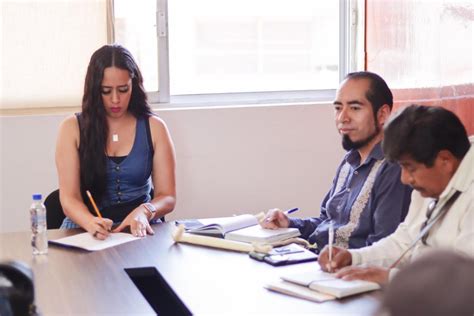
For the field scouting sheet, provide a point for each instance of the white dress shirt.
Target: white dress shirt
(454, 231)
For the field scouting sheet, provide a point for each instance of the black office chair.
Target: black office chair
(17, 291)
(54, 210)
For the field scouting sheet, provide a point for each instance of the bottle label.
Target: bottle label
(39, 237)
(38, 216)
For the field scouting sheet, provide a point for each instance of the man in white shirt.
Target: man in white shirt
(437, 160)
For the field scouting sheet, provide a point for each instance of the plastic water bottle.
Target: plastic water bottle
(39, 237)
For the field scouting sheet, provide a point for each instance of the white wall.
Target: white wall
(229, 160)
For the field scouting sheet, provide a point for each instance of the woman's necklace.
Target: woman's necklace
(119, 126)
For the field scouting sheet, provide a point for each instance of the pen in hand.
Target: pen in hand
(289, 211)
(89, 195)
(93, 204)
(330, 241)
(292, 210)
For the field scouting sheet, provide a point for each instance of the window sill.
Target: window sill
(203, 101)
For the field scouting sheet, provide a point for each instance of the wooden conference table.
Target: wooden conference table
(153, 275)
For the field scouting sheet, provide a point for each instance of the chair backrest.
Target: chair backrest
(17, 291)
(54, 210)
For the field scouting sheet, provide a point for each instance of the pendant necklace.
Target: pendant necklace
(115, 138)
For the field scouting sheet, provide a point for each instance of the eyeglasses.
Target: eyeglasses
(429, 213)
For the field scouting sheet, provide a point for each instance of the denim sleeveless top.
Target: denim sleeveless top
(131, 178)
(127, 181)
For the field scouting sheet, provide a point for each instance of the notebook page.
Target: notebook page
(88, 242)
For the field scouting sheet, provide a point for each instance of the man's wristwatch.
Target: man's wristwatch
(150, 208)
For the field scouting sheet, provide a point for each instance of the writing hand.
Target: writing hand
(99, 227)
(274, 219)
(340, 258)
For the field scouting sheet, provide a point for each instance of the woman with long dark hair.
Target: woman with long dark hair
(117, 149)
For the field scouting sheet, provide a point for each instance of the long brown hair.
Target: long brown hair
(93, 124)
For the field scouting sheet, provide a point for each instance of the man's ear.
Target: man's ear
(383, 114)
(447, 161)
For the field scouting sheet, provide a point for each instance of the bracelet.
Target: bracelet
(150, 208)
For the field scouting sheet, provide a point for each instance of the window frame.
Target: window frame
(350, 25)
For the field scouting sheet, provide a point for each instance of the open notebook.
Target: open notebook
(243, 228)
(320, 282)
(87, 242)
(299, 291)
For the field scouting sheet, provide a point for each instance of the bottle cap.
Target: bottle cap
(37, 196)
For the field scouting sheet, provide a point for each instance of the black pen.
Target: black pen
(292, 210)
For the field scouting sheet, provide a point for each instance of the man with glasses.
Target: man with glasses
(432, 147)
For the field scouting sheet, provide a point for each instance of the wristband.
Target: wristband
(150, 208)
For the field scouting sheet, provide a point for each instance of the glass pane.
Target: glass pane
(48, 30)
(253, 45)
(135, 29)
(425, 51)
(419, 43)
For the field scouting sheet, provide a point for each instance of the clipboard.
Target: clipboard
(285, 255)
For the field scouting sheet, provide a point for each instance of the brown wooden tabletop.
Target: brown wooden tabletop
(206, 281)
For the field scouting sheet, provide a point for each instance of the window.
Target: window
(45, 50)
(236, 50)
(135, 28)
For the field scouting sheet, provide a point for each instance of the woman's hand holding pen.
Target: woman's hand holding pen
(99, 227)
(340, 258)
(138, 222)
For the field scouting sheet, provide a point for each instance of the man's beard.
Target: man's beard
(348, 144)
